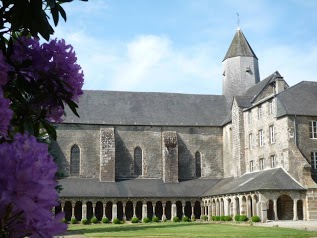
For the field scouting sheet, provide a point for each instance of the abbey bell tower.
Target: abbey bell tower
(240, 67)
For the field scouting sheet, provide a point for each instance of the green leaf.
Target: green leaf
(54, 12)
(49, 128)
(62, 12)
(72, 105)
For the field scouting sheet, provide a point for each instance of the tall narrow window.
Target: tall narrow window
(259, 112)
(271, 107)
(313, 129)
(273, 161)
(314, 160)
(272, 134)
(138, 157)
(198, 164)
(251, 165)
(74, 160)
(250, 141)
(261, 138)
(261, 163)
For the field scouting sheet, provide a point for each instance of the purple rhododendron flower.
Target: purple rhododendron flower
(27, 183)
(55, 64)
(5, 115)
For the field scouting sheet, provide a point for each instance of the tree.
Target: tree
(36, 82)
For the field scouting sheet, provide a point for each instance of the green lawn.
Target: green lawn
(182, 229)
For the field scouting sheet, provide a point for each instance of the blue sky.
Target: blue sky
(178, 45)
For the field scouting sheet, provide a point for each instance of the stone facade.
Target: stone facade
(258, 135)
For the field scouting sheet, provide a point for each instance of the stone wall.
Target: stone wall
(87, 138)
(229, 166)
(280, 148)
(96, 154)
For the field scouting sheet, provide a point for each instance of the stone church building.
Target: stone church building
(251, 150)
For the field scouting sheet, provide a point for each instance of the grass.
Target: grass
(182, 229)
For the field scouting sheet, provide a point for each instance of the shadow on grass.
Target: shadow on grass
(101, 228)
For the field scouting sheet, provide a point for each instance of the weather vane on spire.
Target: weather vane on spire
(238, 21)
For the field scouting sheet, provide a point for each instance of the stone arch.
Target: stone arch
(109, 210)
(149, 210)
(188, 209)
(129, 210)
(78, 210)
(168, 210)
(270, 210)
(99, 210)
(120, 210)
(197, 210)
(229, 207)
(138, 161)
(74, 165)
(90, 213)
(237, 208)
(243, 209)
(68, 210)
(213, 207)
(138, 210)
(221, 207)
(159, 209)
(179, 209)
(300, 214)
(198, 164)
(285, 207)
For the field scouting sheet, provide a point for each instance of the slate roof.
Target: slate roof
(256, 89)
(239, 47)
(299, 99)
(84, 187)
(272, 179)
(149, 108)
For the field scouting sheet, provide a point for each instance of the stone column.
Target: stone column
(62, 206)
(295, 218)
(93, 209)
(164, 214)
(226, 206)
(73, 210)
(254, 210)
(153, 207)
(202, 210)
(242, 206)
(134, 207)
(248, 207)
(217, 208)
(144, 211)
(206, 210)
(53, 211)
(174, 210)
(183, 209)
(114, 211)
(213, 209)
(104, 205)
(84, 211)
(234, 206)
(209, 212)
(275, 209)
(193, 212)
(124, 211)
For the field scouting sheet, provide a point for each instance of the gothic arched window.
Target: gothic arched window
(198, 164)
(138, 161)
(74, 160)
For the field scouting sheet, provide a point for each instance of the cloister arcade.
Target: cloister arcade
(126, 209)
(268, 206)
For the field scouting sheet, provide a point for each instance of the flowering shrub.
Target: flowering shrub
(36, 82)
(27, 183)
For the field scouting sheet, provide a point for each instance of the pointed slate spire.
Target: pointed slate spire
(239, 47)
